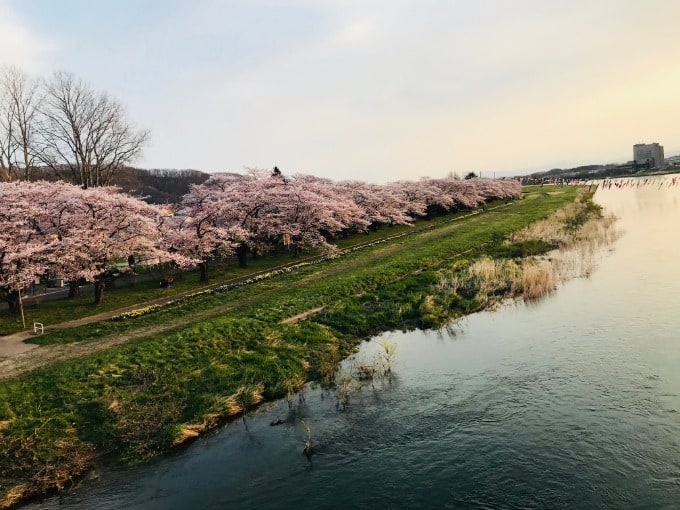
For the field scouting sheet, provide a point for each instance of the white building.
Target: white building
(648, 153)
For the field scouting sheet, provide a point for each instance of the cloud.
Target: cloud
(354, 33)
(19, 45)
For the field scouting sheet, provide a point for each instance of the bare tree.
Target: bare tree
(20, 110)
(7, 130)
(86, 131)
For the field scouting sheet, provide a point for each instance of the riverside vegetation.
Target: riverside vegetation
(193, 364)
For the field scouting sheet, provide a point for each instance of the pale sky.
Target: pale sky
(377, 90)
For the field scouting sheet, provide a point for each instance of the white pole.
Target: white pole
(21, 305)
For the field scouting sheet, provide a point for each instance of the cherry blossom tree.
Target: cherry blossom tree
(421, 197)
(380, 204)
(309, 210)
(463, 194)
(98, 225)
(75, 233)
(255, 208)
(203, 227)
(338, 202)
(495, 189)
(266, 209)
(21, 243)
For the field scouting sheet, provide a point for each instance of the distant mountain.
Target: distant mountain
(596, 171)
(156, 186)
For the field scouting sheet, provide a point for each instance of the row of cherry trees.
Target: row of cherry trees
(77, 233)
(261, 210)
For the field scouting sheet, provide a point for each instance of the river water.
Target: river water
(572, 402)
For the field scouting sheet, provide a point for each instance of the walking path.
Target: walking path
(14, 344)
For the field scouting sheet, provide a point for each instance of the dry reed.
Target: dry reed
(245, 397)
(14, 495)
(535, 280)
(578, 245)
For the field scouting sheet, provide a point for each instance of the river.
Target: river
(571, 402)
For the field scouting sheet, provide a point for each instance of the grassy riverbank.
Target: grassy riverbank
(200, 361)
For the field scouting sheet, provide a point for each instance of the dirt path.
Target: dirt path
(302, 316)
(18, 357)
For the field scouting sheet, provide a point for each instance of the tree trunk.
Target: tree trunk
(73, 289)
(203, 267)
(99, 286)
(13, 302)
(241, 252)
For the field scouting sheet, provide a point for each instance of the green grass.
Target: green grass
(125, 292)
(132, 401)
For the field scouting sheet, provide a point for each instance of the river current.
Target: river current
(571, 402)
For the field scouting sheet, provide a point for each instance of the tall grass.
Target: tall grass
(578, 232)
(535, 280)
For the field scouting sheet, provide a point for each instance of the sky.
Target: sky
(376, 90)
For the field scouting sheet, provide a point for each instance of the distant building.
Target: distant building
(648, 154)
